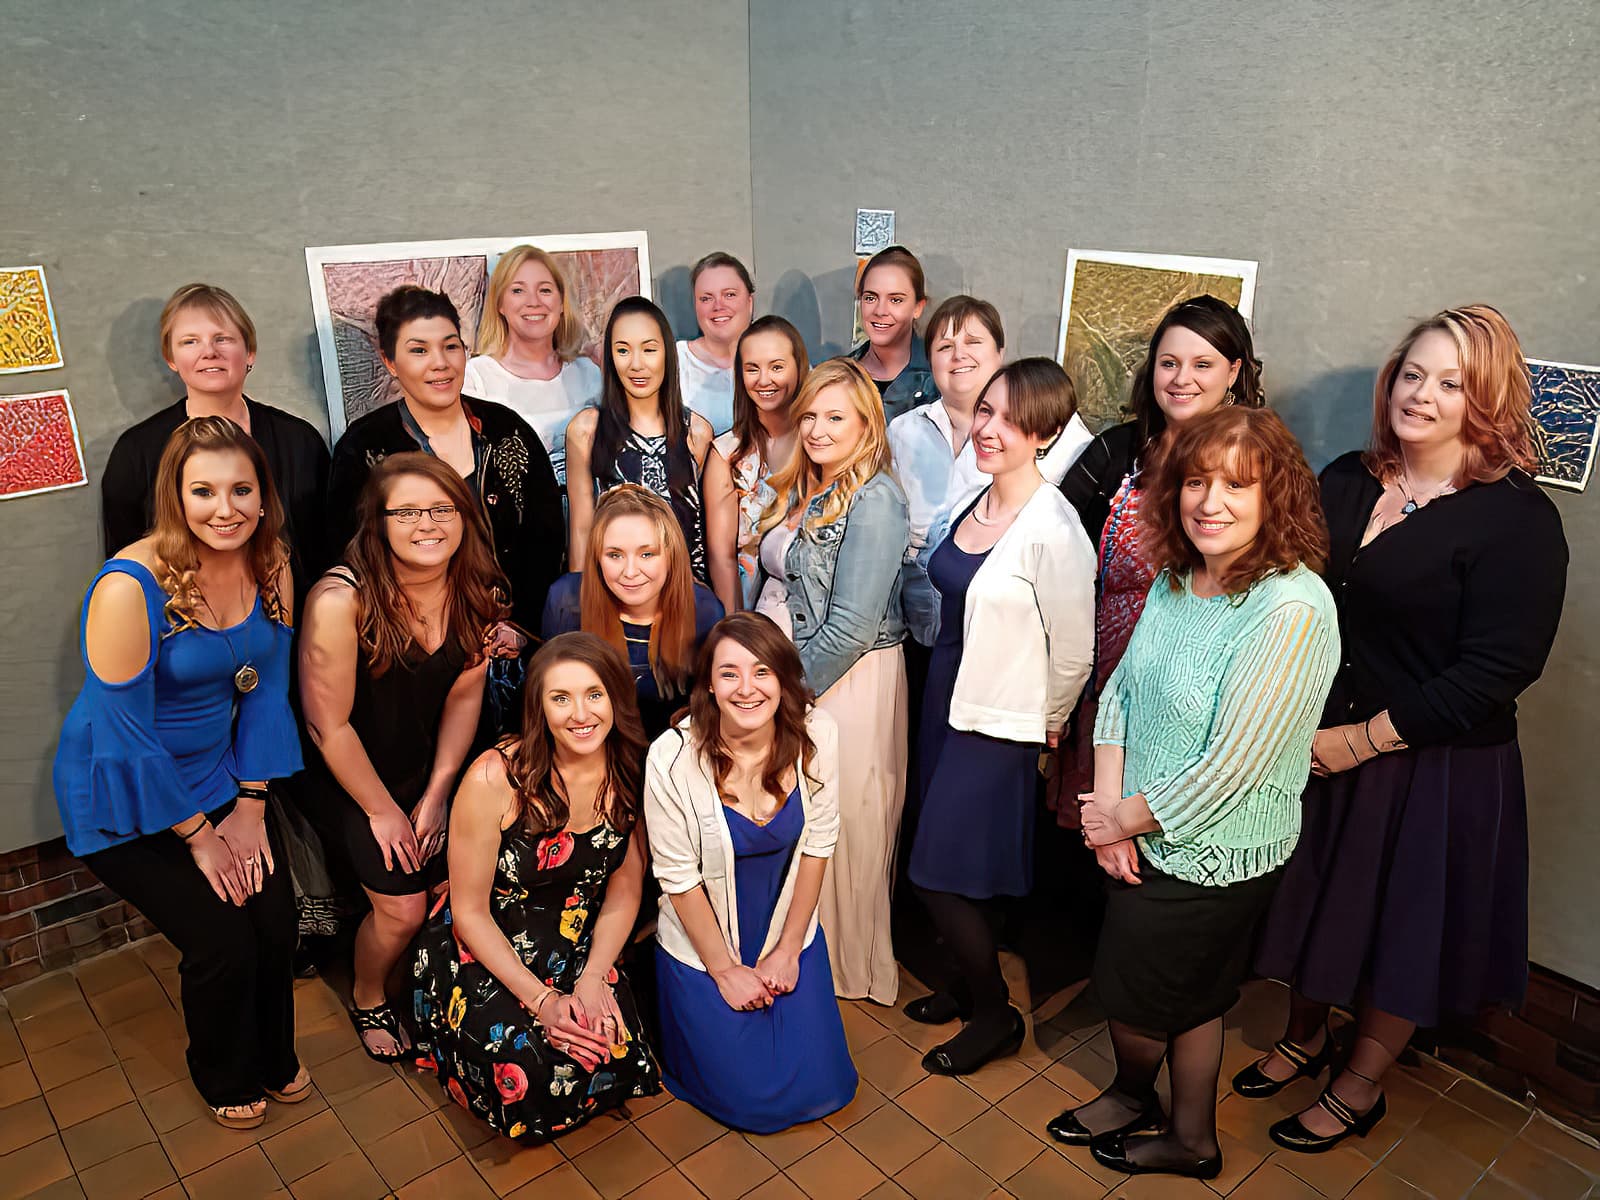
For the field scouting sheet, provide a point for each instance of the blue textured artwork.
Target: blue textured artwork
(1566, 404)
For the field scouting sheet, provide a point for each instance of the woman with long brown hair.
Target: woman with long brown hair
(750, 1030)
(1202, 746)
(392, 669)
(161, 775)
(517, 996)
(634, 588)
(1407, 898)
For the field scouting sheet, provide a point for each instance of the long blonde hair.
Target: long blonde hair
(177, 560)
(494, 335)
(800, 477)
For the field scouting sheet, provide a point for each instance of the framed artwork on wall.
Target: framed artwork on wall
(1111, 304)
(1566, 405)
(40, 450)
(28, 337)
(348, 281)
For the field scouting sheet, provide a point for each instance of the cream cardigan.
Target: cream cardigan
(1028, 629)
(690, 844)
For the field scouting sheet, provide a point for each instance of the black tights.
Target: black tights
(1194, 1062)
(969, 929)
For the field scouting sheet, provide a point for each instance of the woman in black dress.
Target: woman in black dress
(391, 680)
(1407, 896)
(517, 996)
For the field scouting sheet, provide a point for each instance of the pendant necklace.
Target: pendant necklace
(245, 676)
(988, 522)
(1411, 502)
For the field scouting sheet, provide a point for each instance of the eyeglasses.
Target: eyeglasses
(442, 514)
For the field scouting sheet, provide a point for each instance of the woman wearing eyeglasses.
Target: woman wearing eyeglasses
(392, 667)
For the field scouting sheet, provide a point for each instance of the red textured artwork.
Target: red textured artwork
(39, 447)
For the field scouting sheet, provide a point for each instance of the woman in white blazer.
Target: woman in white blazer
(742, 809)
(1015, 578)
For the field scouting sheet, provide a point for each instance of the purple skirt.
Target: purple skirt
(1408, 890)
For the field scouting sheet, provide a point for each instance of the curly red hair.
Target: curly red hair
(1254, 446)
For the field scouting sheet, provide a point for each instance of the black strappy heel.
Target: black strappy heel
(1291, 1133)
(1253, 1083)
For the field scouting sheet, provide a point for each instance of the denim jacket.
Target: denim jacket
(843, 580)
(913, 386)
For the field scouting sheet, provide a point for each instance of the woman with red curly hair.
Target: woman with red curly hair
(1407, 898)
(1202, 748)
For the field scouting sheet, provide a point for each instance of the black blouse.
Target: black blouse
(1092, 481)
(515, 483)
(1448, 615)
(295, 453)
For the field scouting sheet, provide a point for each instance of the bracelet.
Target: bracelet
(248, 791)
(205, 823)
(1366, 731)
(548, 992)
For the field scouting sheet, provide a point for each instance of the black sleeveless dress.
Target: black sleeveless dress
(396, 716)
(491, 1057)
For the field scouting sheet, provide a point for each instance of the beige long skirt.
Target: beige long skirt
(868, 703)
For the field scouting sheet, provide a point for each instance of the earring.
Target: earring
(248, 367)
(1229, 398)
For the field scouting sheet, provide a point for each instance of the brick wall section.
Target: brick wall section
(54, 912)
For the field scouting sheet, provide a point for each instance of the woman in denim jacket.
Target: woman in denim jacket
(833, 536)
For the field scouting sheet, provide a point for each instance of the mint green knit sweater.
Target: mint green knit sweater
(1215, 703)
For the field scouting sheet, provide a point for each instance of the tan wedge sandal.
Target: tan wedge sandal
(299, 1089)
(241, 1116)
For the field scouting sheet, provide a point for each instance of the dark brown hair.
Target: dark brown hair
(409, 302)
(1040, 398)
(721, 258)
(1255, 446)
(895, 256)
(1498, 431)
(748, 431)
(542, 803)
(672, 632)
(956, 312)
(611, 430)
(475, 588)
(177, 562)
(1219, 323)
(791, 742)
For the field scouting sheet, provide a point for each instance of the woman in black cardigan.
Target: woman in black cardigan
(493, 449)
(1407, 896)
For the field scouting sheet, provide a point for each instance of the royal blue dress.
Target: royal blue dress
(766, 1070)
(975, 831)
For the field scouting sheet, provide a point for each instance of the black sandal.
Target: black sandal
(1291, 1133)
(379, 1019)
(1255, 1084)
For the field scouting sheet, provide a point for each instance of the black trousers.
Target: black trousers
(237, 969)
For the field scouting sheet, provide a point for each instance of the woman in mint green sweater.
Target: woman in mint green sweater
(1202, 748)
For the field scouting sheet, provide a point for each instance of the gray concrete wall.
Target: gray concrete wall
(149, 144)
(1380, 160)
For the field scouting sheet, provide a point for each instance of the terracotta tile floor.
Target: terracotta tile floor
(94, 1102)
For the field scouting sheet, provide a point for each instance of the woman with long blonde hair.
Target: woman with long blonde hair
(529, 349)
(392, 667)
(162, 771)
(635, 589)
(832, 540)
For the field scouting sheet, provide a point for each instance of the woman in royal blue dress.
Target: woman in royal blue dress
(742, 809)
(165, 756)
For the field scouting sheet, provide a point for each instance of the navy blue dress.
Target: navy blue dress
(975, 832)
(766, 1070)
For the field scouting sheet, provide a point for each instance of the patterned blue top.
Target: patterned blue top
(139, 756)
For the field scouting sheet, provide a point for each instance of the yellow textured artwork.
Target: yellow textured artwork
(28, 339)
(1111, 305)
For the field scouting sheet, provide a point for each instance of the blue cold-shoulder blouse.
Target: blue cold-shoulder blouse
(139, 756)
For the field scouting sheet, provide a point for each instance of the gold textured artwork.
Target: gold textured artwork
(1113, 301)
(28, 338)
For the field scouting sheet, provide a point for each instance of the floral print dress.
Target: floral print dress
(491, 1057)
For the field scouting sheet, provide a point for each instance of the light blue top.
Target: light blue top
(139, 756)
(1215, 704)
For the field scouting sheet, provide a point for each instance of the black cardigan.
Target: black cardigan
(516, 487)
(295, 453)
(1092, 482)
(1447, 616)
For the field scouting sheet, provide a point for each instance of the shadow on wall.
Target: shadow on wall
(140, 377)
(675, 297)
(802, 300)
(1331, 414)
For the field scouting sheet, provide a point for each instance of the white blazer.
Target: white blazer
(1028, 630)
(690, 844)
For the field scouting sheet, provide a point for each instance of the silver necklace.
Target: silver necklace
(245, 676)
(991, 521)
(1411, 502)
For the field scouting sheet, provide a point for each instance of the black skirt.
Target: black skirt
(1409, 886)
(1172, 954)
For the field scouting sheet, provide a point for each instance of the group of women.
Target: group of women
(683, 763)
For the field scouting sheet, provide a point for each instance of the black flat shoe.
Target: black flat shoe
(937, 1008)
(1291, 1133)
(1111, 1150)
(1069, 1131)
(1255, 1084)
(942, 1061)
